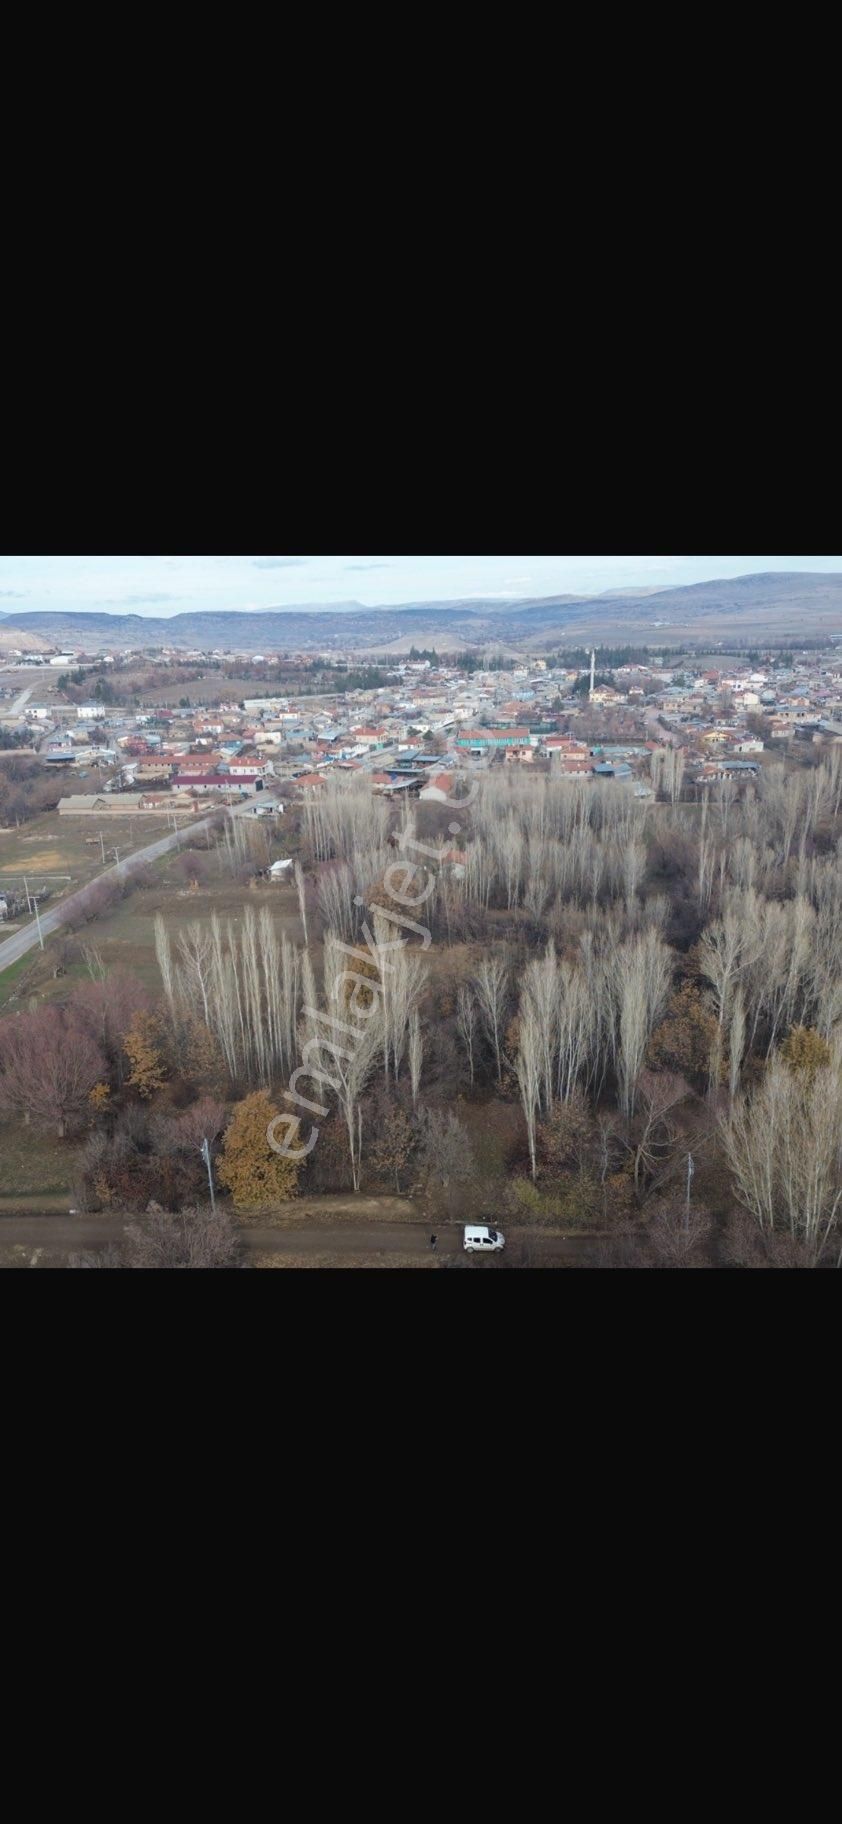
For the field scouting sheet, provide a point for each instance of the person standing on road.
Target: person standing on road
(434, 1242)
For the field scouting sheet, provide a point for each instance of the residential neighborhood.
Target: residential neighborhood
(407, 735)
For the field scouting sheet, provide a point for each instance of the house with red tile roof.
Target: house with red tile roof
(438, 789)
(369, 737)
(311, 782)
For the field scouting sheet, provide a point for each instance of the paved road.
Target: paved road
(16, 709)
(15, 947)
(84, 1234)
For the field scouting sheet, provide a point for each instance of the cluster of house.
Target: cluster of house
(408, 736)
(726, 719)
(151, 770)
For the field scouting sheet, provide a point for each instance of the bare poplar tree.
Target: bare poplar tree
(301, 884)
(642, 980)
(634, 870)
(353, 1056)
(196, 950)
(225, 1023)
(492, 992)
(726, 949)
(336, 902)
(466, 1023)
(784, 1147)
(416, 1054)
(529, 1066)
(737, 1042)
(541, 993)
(163, 951)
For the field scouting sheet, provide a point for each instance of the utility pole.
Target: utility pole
(28, 899)
(37, 920)
(206, 1155)
(691, 1173)
(102, 846)
(593, 674)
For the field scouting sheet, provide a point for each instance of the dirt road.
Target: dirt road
(58, 1235)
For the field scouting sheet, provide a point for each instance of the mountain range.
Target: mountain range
(779, 605)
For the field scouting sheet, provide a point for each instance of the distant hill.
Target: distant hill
(777, 606)
(11, 639)
(628, 595)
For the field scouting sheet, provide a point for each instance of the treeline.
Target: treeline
(125, 683)
(470, 662)
(611, 658)
(317, 679)
(603, 1003)
(368, 678)
(688, 989)
(776, 657)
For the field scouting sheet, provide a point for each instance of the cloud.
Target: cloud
(221, 583)
(280, 563)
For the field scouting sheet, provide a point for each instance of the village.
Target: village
(663, 723)
(353, 956)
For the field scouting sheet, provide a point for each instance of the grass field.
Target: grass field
(65, 854)
(126, 937)
(42, 684)
(11, 979)
(211, 688)
(69, 846)
(36, 1170)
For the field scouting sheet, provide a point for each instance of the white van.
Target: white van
(484, 1241)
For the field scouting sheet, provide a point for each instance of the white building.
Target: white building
(93, 712)
(249, 769)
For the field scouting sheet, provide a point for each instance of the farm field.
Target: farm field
(69, 846)
(43, 686)
(211, 688)
(125, 936)
(214, 688)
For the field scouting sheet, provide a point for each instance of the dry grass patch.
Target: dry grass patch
(36, 1169)
(332, 1212)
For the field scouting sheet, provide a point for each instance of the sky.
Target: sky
(163, 586)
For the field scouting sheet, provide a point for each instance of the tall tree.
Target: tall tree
(492, 991)
(144, 1049)
(257, 1177)
(49, 1065)
(784, 1147)
(529, 1074)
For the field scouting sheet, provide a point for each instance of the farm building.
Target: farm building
(125, 804)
